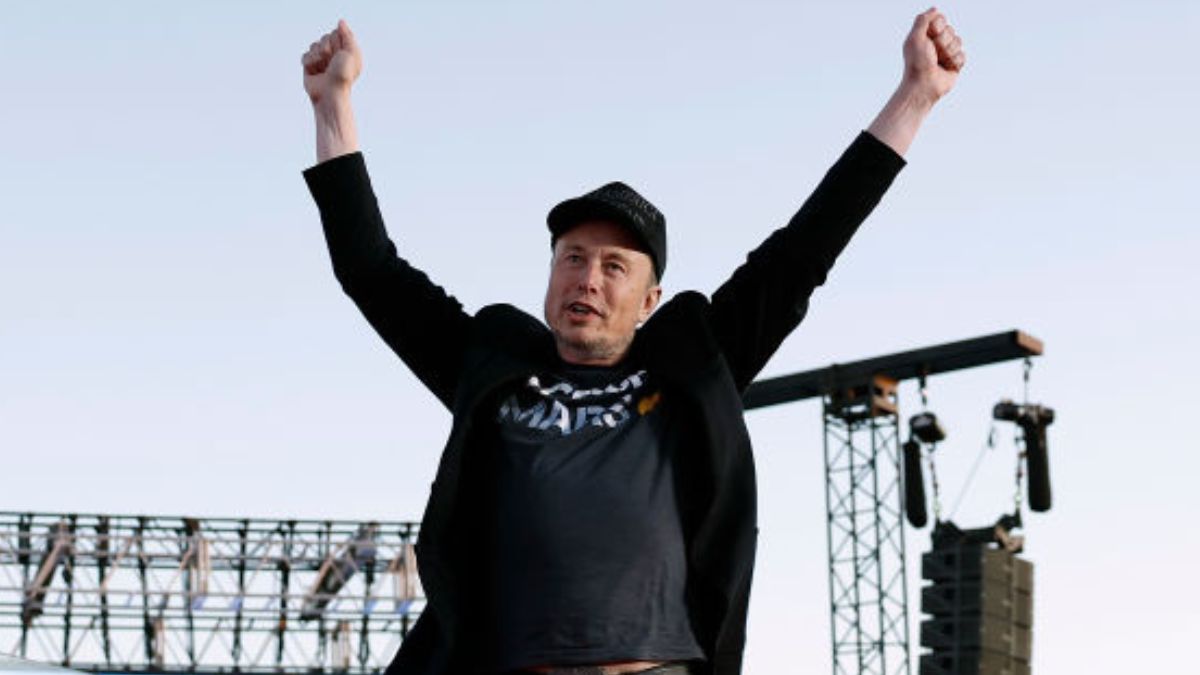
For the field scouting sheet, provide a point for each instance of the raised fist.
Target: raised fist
(933, 54)
(331, 64)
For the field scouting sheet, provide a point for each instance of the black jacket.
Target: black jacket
(703, 352)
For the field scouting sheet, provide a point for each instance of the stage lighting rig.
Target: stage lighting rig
(357, 553)
(59, 543)
(1033, 419)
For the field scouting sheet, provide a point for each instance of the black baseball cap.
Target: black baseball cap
(618, 203)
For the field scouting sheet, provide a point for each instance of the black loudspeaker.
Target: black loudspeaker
(980, 607)
(1038, 463)
(914, 485)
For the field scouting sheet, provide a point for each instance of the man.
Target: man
(594, 507)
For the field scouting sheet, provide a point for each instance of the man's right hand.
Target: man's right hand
(331, 65)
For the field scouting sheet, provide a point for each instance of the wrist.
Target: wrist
(901, 117)
(336, 131)
(332, 106)
(915, 97)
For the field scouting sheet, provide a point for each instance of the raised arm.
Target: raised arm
(767, 297)
(426, 327)
(331, 65)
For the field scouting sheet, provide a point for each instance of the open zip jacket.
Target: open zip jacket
(703, 352)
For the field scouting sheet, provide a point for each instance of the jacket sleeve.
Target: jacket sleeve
(426, 327)
(767, 296)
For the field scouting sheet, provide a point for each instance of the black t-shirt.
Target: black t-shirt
(590, 560)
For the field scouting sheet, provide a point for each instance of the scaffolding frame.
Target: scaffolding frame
(177, 594)
(868, 587)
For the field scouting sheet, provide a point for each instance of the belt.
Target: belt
(664, 669)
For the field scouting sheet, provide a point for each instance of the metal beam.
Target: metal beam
(944, 358)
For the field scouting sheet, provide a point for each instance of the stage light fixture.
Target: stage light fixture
(926, 428)
(1033, 420)
(335, 572)
(58, 545)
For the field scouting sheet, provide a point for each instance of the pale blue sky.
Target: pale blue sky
(172, 339)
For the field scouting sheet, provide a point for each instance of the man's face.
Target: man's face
(601, 287)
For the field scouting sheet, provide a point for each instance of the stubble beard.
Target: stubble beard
(598, 348)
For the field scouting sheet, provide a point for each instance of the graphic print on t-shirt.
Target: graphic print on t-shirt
(562, 408)
(584, 458)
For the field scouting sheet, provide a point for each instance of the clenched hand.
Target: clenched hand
(331, 65)
(933, 55)
(933, 58)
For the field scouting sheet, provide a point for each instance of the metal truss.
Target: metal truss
(867, 585)
(171, 594)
